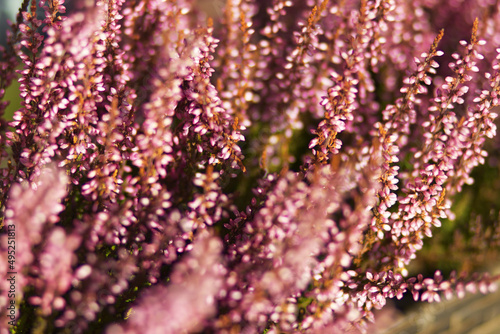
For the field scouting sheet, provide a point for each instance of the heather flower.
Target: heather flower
(55, 270)
(285, 252)
(472, 132)
(353, 81)
(425, 201)
(235, 84)
(32, 209)
(275, 169)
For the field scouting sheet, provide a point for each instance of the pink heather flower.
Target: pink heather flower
(189, 298)
(236, 52)
(473, 131)
(32, 209)
(353, 80)
(273, 169)
(55, 270)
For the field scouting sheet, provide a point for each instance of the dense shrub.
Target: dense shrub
(276, 169)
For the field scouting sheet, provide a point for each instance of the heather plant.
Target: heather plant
(280, 168)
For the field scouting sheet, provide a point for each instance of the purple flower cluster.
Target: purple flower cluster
(276, 169)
